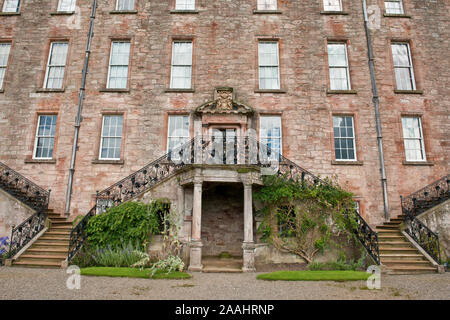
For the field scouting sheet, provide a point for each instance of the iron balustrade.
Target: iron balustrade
(427, 197)
(427, 239)
(418, 202)
(31, 195)
(209, 150)
(78, 234)
(368, 237)
(23, 189)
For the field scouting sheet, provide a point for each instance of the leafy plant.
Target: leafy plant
(170, 264)
(4, 243)
(130, 221)
(302, 218)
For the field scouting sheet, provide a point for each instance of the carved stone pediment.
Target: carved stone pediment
(224, 103)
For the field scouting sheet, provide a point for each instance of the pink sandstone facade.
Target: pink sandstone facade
(225, 37)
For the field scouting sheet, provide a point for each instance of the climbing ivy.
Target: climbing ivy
(129, 222)
(302, 218)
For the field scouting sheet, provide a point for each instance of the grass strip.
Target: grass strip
(314, 276)
(132, 273)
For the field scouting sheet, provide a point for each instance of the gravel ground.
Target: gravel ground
(25, 283)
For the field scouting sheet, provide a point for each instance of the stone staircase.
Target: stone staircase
(49, 250)
(397, 253)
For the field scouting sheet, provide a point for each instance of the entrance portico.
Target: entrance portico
(196, 178)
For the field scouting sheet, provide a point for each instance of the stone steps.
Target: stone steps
(51, 249)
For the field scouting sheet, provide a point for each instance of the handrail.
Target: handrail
(427, 239)
(78, 234)
(419, 202)
(368, 237)
(26, 231)
(427, 197)
(23, 189)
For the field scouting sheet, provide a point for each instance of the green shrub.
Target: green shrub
(129, 222)
(171, 264)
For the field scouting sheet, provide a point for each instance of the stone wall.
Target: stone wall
(222, 219)
(225, 35)
(438, 219)
(12, 213)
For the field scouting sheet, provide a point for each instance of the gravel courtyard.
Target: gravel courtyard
(23, 283)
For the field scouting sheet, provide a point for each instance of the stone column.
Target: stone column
(195, 263)
(248, 246)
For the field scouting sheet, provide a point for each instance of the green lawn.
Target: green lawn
(131, 273)
(315, 276)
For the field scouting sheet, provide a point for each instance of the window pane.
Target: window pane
(338, 65)
(269, 73)
(267, 4)
(177, 133)
(403, 79)
(125, 5)
(344, 139)
(45, 136)
(185, 5)
(66, 5)
(11, 6)
(394, 6)
(118, 69)
(413, 141)
(111, 137)
(338, 79)
(332, 5)
(270, 136)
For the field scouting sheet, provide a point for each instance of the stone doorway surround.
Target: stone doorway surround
(196, 178)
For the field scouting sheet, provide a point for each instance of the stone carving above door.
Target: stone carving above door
(224, 103)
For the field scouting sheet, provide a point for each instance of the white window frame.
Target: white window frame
(47, 72)
(400, 2)
(63, 4)
(121, 3)
(269, 66)
(118, 65)
(355, 156)
(185, 5)
(111, 137)
(328, 10)
(183, 137)
(347, 67)
(37, 136)
(172, 65)
(267, 5)
(410, 67)
(280, 138)
(4, 66)
(5, 5)
(420, 138)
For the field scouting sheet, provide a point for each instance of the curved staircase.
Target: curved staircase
(50, 249)
(397, 253)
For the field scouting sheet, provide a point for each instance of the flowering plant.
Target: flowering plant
(3, 248)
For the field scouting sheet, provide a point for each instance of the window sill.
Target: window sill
(50, 161)
(342, 92)
(100, 161)
(179, 90)
(123, 12)
(50, 90)
(267, 12)
(184, 11)
(10, 13)
(418, 163)
(114, 90)
(408, 91)
(62, 13)
(347, 163)
(270, 91)
(393, 15)
(329, 13)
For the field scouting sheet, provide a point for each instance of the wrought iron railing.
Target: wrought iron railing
(26, 231)
(200, 150)
(367, 237)
(427, 197)
(427, 239)
(418, 202)
(78, 234)
(22, 188)
(33, 196)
